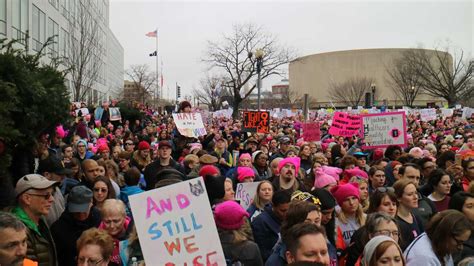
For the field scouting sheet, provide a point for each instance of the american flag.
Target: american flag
(152, 33)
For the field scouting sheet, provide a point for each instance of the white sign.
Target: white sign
(382, 130)
(245, 193)
(175, 225)
(467, 113)
(84, 111)
(445, 112)
(114, 114)
(189, 124)
(428, 114)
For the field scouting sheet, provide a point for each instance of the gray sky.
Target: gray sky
(310, 27)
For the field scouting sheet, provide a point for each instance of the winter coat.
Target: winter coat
(40, 243)
(153, 168)
(246, 252)
(66, 242)
(266, 231)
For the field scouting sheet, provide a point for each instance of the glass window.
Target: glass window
(19, 19)
(3, 17)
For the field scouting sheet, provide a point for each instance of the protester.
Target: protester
(13, 243)
(306, 242)
(103, 190)
(95, 247)
(383, 250)
(464, 202)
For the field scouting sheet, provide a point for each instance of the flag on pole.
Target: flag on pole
(155, 53)
(152, 33)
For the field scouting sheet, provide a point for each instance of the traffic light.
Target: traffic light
(178, 92)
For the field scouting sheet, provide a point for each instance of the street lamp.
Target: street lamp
(259, 57)
(373, 93)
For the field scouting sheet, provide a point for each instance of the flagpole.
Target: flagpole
(157, 75)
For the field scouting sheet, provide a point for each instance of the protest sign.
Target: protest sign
(189, 124)
(256, 121)
(344, 124)
(84, 111)
(175, 225)
(245, 192)
(382, 130)
(447, 112)
(428, 114)
(467, 113)
(115, 114)
(311, 131)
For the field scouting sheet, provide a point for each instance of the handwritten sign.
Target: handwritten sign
(428, 114)
(115, 114)
(245, 193)
(344, 124)
(176, 227)
(311, 132)
(189, 124)
(382, 130)
(255, 121)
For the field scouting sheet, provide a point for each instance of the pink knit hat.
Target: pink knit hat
(229, 215)
(416, 152)
(244, 172)
(322, 179)
(349, 173)
(332, 171)
(342, 192)
(245, 156)
(296, 161)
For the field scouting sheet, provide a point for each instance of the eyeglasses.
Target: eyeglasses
(385, 189)
(88, 262)
(100, 190)
(388, 233)
(129, 143)
(45, 196)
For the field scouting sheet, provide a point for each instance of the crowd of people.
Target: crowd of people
(327, 202)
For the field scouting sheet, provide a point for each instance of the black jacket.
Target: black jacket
(153, 168)
(66, 230)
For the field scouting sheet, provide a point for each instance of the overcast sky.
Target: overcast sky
(310, 27)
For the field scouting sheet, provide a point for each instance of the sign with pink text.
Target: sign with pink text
(311, 131)
(189, 124)
(384, 129)
(345, 124)
(175, 225)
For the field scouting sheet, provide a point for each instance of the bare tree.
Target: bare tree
(404, 81)
(210, 92)
(440, 74)
(350, 92)
(82, 54)
(143, 79)
(231, 56)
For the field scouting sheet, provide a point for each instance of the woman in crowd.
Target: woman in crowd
(94, 247)
(245, 174)
(377, 178)
(410, 224)
(364, 191)
(229, 190)
(102, 190)
(235, 238)
(260, 164)
(445, 235)
(262, 198)
(468, 166)
(349, 218)
(440, 183)
(306, 158)
(383, 250)
(464, 202)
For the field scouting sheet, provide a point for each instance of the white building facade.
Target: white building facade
(41, 19)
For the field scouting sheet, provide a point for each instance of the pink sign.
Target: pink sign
(344, 124)
(311, 131)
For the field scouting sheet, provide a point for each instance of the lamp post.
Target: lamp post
(259, 59)
(373, 93)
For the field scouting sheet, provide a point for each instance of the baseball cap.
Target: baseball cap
(285, 139)
(164, 143)
(33, 181)
(360, 154)
(79, 199)
(53, 165)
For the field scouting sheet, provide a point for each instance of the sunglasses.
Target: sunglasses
(129, 143)
(385, 189)
(100, 190)
(45, 196)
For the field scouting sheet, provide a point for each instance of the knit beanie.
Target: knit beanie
(229, 215)
(214, 186)
(372, 245)
(342, 192)
(326, 198)
(244, 172)
(332, 171)
(208, 170)
(245, 156)
(103, 148)
(293, 160)
(322, 179)
(349, 173)
(143, 145)
(416, 152)
(377, 154)
(81, 141)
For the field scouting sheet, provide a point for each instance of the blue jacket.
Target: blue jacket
(125, 193)
(266, 231)
(278, 257)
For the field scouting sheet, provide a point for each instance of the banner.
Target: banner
(175, 225)
(245, 192)
(114, 113)
(255, 121)
(382, 130)
(189, 124)
(428, 114)
(344, 124)
(311, 131)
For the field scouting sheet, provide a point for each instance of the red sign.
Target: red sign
(255, 121)
(311, 132)
(344, 124)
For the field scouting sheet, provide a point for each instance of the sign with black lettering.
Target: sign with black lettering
(256, 121)
(384, 129)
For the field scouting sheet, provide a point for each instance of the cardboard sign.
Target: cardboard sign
(175, 225)
(428, 114)
(114, 113)
(382, 130)
(311, 131)
(255, 121)
(189, 124)
(344, 124)
(245, 193)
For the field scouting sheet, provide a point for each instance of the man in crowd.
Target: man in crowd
(13, 243)
(306, 242)
(288, 169)
(91, 171)
(284, 146)
(164, 161)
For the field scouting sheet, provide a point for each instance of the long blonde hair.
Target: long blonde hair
(256, 199)
(365, 202)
